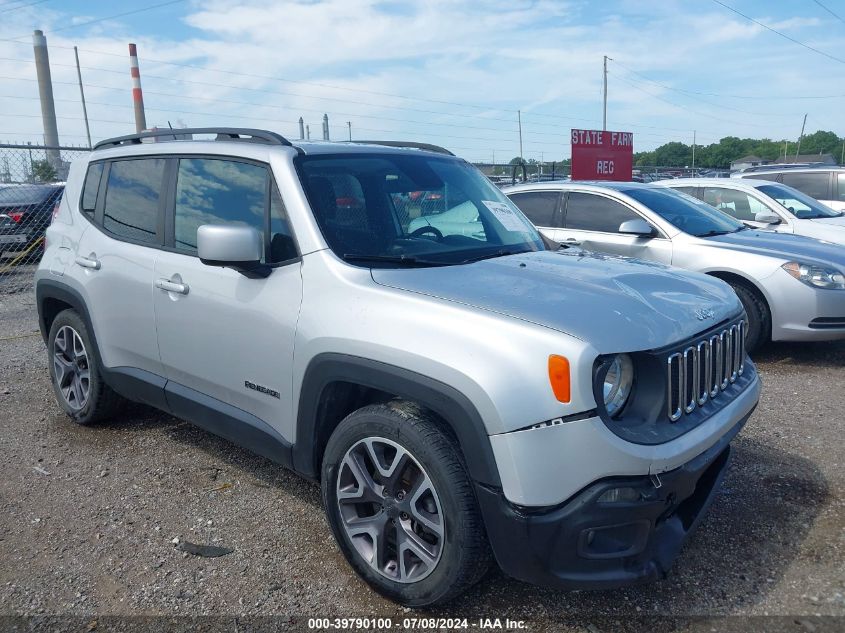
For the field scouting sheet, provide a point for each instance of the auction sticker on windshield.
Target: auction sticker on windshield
(511, 220)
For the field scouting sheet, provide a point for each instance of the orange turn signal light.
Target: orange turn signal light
(559, 378)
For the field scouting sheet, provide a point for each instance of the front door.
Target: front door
(223, 335)
(593, 220)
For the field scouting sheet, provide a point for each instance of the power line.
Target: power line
(22, 6)
(693, 92)
(685, 108)
(108, 17)
(838, 17)
(783, 35)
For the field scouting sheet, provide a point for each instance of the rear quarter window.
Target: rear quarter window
(91, 188)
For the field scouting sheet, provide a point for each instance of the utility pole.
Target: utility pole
(45, 92)
(301, 129)
(308, 132)
(798, 149)
(82, 95)
(325, 127)
(693, 150)
(519, 120)
(842, 160)
(137, 95)
(604, 94)
(785, 149)
(349, 125)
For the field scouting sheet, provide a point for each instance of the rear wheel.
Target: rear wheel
(759, 317)
(401, 505)
(75, 372)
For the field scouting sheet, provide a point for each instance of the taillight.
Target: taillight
(17, 216)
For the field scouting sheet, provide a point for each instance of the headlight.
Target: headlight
(618, 381)
(816, 276)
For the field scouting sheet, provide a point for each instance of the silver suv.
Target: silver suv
(792, 287)
(461, 398)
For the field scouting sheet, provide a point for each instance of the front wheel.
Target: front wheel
(759, 317)
(401, 505)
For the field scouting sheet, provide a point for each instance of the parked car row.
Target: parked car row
(465, 388)
(792, 287)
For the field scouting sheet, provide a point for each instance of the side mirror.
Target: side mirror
(767, 218)
(238, 247)
(638, 227)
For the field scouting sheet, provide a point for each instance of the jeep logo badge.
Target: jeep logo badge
(703, 314)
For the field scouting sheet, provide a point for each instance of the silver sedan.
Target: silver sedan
(792, 287)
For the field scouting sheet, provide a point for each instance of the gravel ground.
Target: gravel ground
(89, 517)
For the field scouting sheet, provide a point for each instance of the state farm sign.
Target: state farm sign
(598, 155)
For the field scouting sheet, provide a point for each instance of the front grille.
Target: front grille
(704, 369)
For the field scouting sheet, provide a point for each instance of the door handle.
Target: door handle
(89, 262)
(172, 286)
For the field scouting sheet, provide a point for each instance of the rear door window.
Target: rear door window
(735, 203)
(591, 212)
(815, 184)
(841, 187)
(133, 194)
(540, 206)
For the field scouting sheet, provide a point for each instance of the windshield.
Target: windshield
(798, 204)
(684, 212)
(402, 209)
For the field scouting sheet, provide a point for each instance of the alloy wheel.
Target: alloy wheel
(390, 510)
(71, 369)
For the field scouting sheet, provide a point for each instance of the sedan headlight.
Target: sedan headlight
(618, 382)
(816, 276)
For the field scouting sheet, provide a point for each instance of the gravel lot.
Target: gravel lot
(96, 535)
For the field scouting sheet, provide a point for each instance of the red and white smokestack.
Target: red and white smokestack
(137, 95)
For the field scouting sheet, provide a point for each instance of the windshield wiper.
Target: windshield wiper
(714, 233)
(502, 252)
(401, 260)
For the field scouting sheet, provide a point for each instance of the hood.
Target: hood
(782, 246)
(615, 304)
(837, 221)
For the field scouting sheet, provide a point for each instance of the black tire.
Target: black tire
(465, 552)
(759, 317)
(101, 402)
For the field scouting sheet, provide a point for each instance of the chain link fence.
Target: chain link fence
(31, 184)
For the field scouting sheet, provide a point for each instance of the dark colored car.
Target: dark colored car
(25, 213)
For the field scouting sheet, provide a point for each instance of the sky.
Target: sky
(450, 72)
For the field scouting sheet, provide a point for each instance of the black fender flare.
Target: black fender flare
(50, 289)
(446, 401)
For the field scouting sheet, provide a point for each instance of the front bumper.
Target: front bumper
(587, 544)
(803, 313)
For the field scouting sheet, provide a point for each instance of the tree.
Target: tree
(43, 171)
(516, 160)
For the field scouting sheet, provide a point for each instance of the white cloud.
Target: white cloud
(543, 58)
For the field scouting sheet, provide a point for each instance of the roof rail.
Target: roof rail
(223, 134)
(425, 146)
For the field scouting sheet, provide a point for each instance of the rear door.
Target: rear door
(227, 340)
(115, 260)
(542, 208)
(593, 219)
